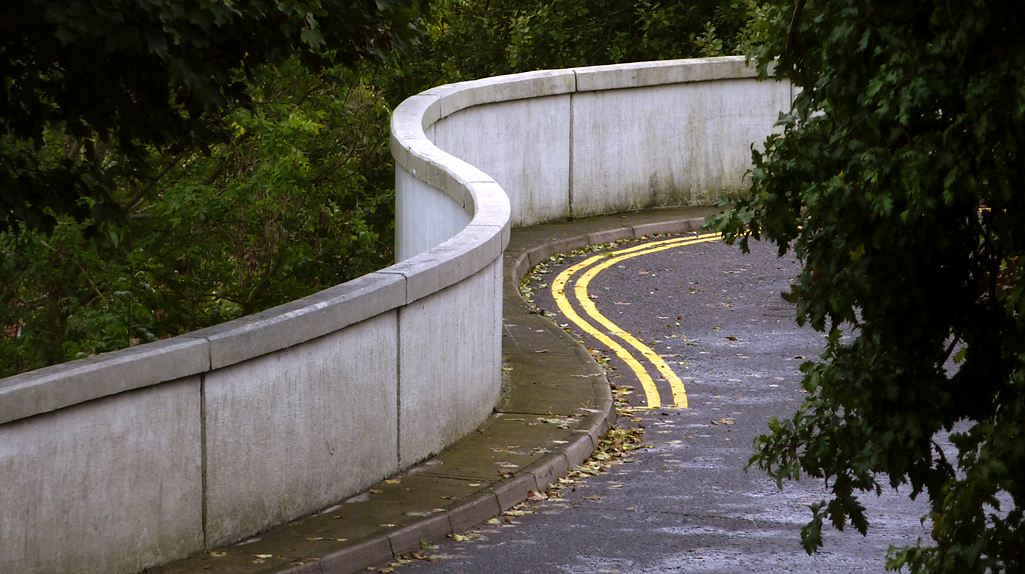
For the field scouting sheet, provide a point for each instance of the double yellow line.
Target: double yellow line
(609, 329)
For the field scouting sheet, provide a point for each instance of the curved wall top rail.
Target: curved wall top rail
(587, 141)
(130, 459)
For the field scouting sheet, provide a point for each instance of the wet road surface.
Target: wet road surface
(686, 504)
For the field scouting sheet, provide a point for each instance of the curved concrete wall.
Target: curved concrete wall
(138, 457)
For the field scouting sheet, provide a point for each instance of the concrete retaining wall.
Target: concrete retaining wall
(588, 141)
(142, 456)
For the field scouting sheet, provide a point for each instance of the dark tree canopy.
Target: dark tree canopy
(899, 181)
(469, 39)
(117, 79)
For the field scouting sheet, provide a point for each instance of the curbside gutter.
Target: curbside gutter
(548, 378)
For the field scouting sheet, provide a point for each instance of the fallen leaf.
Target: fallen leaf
(508, 450)
(393, 481)
(536, 496)
(725, 421)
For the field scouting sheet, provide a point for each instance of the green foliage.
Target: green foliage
(897, 182)
(466, 40)
(297, 200)
(130, 77)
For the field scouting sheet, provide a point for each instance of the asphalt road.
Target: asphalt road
(715, 318)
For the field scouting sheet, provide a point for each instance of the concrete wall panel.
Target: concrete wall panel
(523, 145)
(292, 432)
(113, 485)
(424, 216)
(681, 144)
(450, 363)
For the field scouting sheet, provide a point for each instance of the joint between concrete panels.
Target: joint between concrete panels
(204, 491)
(398, 388)
(463, 256)
(570, 139)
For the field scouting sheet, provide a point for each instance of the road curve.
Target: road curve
(686, 504)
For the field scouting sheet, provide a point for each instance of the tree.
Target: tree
(898, 182)
(466, 40)
(92, 88)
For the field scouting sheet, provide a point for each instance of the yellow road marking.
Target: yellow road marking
(559, 293)
(584, 300)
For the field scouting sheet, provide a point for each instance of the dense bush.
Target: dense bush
(298, 199)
